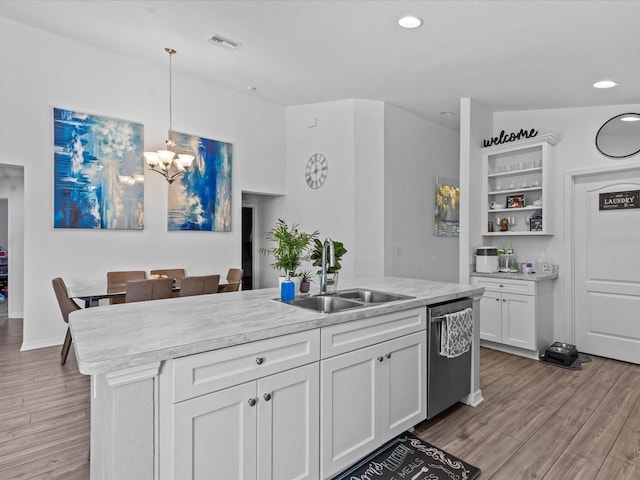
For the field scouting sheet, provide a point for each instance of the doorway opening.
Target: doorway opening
(247, 247)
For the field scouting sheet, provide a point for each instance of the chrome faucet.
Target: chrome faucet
(332, 263)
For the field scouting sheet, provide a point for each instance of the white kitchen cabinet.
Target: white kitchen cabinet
(250, 411)
(264, 429)
(516, 177)
(516, 315)
(368, 396)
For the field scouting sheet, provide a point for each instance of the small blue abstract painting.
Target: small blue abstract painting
(98, 172)
(201, 198)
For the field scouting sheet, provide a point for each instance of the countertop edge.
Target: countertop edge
(301, 322)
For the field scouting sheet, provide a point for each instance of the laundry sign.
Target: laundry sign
(620, 200)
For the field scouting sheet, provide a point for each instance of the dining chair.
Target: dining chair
(234, 279)
(67, 306)
(199, 285)
(121, 278)
(152, 289)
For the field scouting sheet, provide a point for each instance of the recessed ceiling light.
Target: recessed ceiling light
(605, 84)
(409, 21)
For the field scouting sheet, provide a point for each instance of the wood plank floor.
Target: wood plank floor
(44, 411)
(536, 421)
(543, 422)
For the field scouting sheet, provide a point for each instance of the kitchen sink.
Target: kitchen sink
(325, 303)
(345, 300)
(370, 296)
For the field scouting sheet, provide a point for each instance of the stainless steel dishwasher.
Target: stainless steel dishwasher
(448, 379)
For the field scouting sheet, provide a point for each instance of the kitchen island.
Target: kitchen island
(155, 363)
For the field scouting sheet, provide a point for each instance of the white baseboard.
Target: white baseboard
(473, 399)
(42, 343)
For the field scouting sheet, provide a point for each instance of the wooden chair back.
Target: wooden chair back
(234, 279)
(199, 285)
(121, 278)
(153, 289)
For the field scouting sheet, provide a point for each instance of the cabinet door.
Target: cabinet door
(491, 316)
(288, 424)
(519, 320)
(215, 435)
(350, 422)
(404, 389)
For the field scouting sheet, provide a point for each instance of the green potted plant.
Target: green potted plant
(305, 281)
(290, 247)
(332, 272)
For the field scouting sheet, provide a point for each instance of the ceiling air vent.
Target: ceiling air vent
(223, 42)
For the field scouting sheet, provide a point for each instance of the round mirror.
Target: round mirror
(620, 136)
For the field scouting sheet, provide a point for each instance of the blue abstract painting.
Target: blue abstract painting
(98, 172)
(201, 198)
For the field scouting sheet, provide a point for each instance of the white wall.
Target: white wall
(416, 152)
(42, 71)
(577, 129)
(326, 128)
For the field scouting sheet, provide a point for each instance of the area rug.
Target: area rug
(576, 365)
(407, 457)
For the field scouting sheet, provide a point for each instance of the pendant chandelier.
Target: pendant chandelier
(166, 162)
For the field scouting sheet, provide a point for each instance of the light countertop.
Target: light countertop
(115, 337)
(531, 277)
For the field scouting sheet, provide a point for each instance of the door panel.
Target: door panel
(350, 424)
(288, 424)
(491, 318)
(215, 435)
(519, 320)
(607, 269)
(404, 377)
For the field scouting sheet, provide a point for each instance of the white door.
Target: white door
(215, 435)
(288, 424)
(606, 247)
(491, 318)
(519, 320)
(404, 383)
(349, 408)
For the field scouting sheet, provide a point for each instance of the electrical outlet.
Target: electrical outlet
(398, 250)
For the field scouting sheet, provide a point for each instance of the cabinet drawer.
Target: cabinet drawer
(210, 371)
(345, 337)
(523, 287)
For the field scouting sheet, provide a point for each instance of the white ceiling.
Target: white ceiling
(508, 55)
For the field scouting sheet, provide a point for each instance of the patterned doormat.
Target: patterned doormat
(406, 457)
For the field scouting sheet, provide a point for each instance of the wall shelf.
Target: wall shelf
(518, 168)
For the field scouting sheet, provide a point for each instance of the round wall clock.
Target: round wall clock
(316, 172)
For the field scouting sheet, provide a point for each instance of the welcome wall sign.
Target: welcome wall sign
(509, 137)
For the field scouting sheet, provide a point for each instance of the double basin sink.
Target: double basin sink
(346, 300)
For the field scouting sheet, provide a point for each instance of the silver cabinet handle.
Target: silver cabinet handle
(267, 396)
(388, 355)
(497, 299)
(252, 402)
(380, 358)
(259, 360)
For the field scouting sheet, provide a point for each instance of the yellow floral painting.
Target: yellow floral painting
(447, 208)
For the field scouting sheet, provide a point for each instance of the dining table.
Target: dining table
(92, 292)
